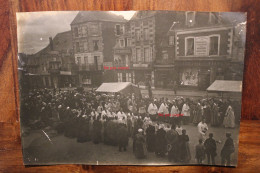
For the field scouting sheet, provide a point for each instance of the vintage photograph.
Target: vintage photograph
(130, 87)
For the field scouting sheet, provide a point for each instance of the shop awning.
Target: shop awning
(118, 87)
(225, 86)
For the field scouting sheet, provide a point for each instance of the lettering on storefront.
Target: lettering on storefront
(201, 46)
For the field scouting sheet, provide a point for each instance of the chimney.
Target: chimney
(51, 43)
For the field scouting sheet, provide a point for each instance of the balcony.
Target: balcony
(88, 67)
(142, 65)
(164, 63)
(54, 71)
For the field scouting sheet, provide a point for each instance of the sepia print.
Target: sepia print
(130, 87)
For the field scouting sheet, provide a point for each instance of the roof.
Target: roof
(113, 87)
(225, 86)
(62, 42)
(88, 16)
(144, 14)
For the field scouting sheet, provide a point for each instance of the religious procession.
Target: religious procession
(154, 125)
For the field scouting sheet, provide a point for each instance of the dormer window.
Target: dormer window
(190, 18)
(213, 18)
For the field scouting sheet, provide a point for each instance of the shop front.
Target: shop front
(165, 77)
(199, 74)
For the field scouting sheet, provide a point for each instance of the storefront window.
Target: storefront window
(189, 77)
(119, 77)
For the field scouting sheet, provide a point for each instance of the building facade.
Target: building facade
(148, 29)
(200, 45)
(123, 54)
(93, 41)
(53, 66)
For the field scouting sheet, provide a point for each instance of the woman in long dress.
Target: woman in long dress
(139, 147)
(229, 119)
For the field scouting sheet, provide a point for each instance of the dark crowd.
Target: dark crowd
(155, 125)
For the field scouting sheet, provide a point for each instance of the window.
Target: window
(145, 23)
(128, 77)
(137, 24)
(95, 43)
(93, 28)
(76, 32)
(84, 31)
(77, 47)
(189, 46)
(146, 54)
(214, 45)
(123, 29)
(171, 40)
(146, 34)
(119, 77)
(86, 60)
(165, 56)
(138, 55)
(151, 54)
(122, 43)
(128, 42)
(137, 34)
(117, 29)
(202, 46)
(85, 46)
(78, 60)
(190, 18)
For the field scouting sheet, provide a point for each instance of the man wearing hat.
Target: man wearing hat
(227, 150)
(210, 148)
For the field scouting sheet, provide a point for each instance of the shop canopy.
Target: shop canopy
(118, 87)
(225, 86)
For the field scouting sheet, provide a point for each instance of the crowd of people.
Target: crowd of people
(155, 125)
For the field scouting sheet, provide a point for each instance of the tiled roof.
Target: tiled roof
(87, 16)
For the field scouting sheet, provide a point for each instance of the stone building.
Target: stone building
(148, 29)
(93, 41)
(52, 67)
(200, 47)
(123, 54)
